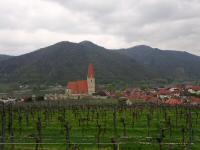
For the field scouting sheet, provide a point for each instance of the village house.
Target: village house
(164, 93)
(173, 102)
(194, 100)
(139, 95)
(194, 90)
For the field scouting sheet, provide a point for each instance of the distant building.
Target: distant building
(8, 100)
(194, 90)
(173, 102)
(86, 87)
(195, 101)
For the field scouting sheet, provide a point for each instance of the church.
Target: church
(86, 87)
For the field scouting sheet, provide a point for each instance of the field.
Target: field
(98, 124)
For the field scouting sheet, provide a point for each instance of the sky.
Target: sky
(27, 25)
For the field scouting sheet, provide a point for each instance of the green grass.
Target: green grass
(84, 136)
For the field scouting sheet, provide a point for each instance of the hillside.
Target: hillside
(5, 57)
(66, 61)
(167, 64)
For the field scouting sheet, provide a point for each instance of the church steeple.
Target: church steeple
(91, 79)
(91, 71)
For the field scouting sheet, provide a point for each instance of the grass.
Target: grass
(84, 119)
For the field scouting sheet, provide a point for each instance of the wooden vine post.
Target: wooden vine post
(68, 129)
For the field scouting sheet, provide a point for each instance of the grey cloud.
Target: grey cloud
(166, 24)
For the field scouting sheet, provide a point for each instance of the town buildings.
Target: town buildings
(176, 95)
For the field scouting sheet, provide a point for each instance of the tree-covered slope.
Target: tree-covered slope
(66, 61)
(165, 63)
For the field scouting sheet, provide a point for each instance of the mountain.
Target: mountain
(5, 57)
(166, 63)
(66, 61)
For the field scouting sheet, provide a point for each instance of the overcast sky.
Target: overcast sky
(26, 25)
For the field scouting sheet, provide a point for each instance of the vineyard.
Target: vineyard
(87, 125)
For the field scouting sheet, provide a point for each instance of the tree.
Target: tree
(111, 88)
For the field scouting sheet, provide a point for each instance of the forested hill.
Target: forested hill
(4, 57)
(166, 63)
(66, 61)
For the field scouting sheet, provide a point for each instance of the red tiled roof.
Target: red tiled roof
(78, 87)
(173, 102)
(195, 88)
(164, 91)
(152, 99)
(91, 71)
(82, 86)
(73, 87)
(135, 94)
(195, 100)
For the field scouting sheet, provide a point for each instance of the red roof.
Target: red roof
(173, 101)
(164, 91)
(195, 100)
(73, 87)
(195, 88)
(82, 86)
(78, 87)
(136, 94)
(91, 71)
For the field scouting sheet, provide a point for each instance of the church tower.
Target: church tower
(91, 79)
